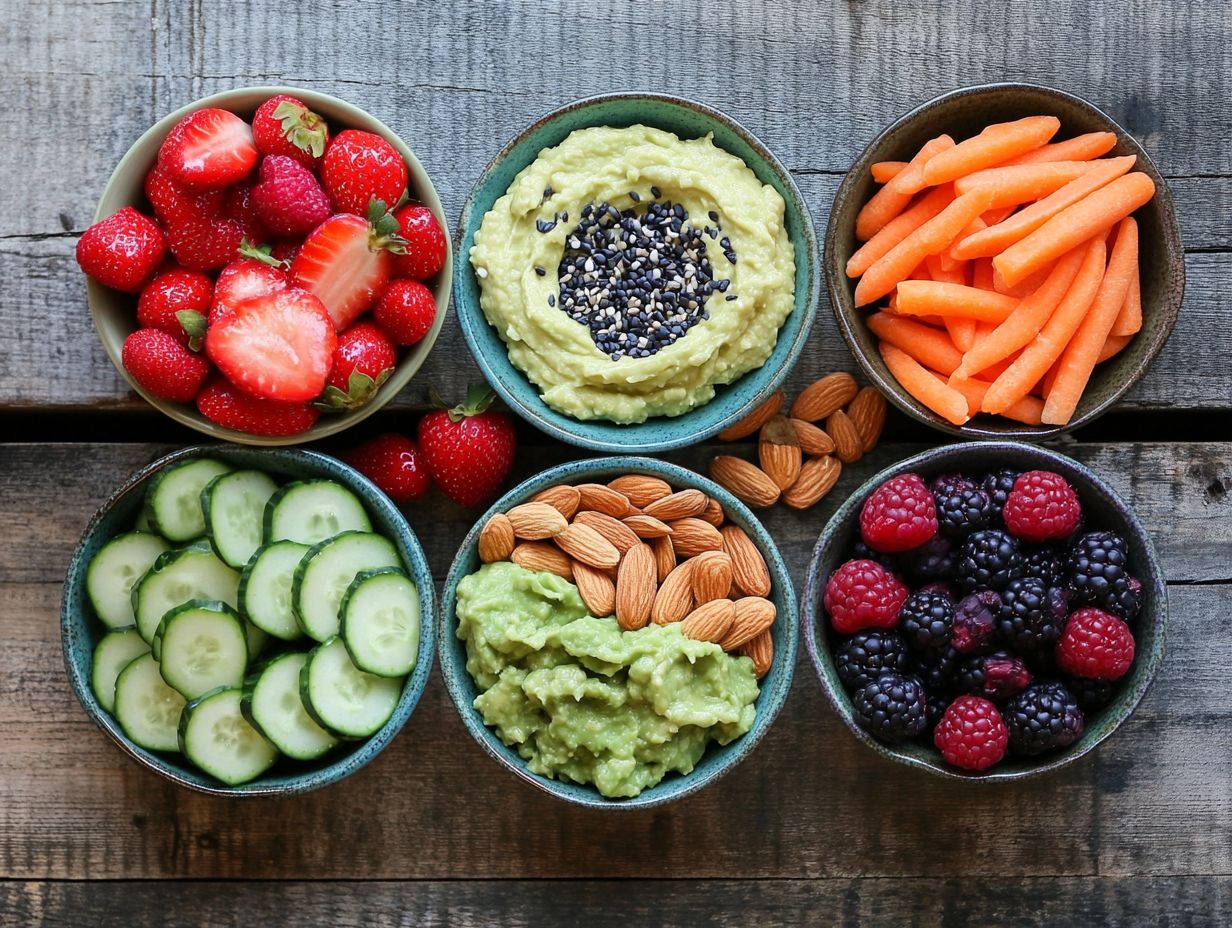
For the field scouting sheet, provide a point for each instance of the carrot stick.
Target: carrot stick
(1021, 376)
(883, 171)
(995, 145)
(962, 331)
(899, 228)
(930, 390)
(920, 272)
(1079, 148)
(1073, 368)
(1022, 183)
(921, 297)
(893, 198)
(947, 258)
(996, 239)
(1027, 410)
(1051, 377)
(1129, 319)
(981, 273)
(928, 346)
(993, 216)
(954, 272)
(1092, 215)
(929, 239)
(1023, 288)
(1113, 346)
(996, 369)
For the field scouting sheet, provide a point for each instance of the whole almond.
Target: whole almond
(713, 513)
(645, 526)
(749, 570)
(544, 556)
(753, 616)
(496, 539)
(562, 498)
(848, 445)
(583, 543)
(712, 576)
(641, 489)
(595, 497)
(709, 621)
(747, 482)
(596, 588)
(761, 649)
(690, 537)
(536, 521)
(754, 420)
(665, 556)
(867, 413)
(678, 505)
(613, 530)
(812, 439)
(674, 600)
(779, 452)
(824, 396)
(817, 478)
(635, 588)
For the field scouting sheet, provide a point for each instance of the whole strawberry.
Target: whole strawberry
(177, 301)
(359, 167)
(207, 243)
(395, 464)
(238, 204)
(426, 244)
(405, 311)
(363, 361)
(283, 125)
(288, 199)
(899, 515)
(121, 251)
(162, 366)
(175, 206)
(208, 149)
(226, 405)
(469, 449)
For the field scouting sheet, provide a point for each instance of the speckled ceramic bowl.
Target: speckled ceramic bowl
(114, 313)
(80, 630)
(717, 760)
(963, 113)
(686, 119)
(1103, 509)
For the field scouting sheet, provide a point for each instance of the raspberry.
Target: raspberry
(971, 735)
(1095, 645)
(1032, 615)
(998, 486)
(863, 594)
(989, 560)
(926, 618)
(899, 515)
(1098, 576)
(975, 622)
(892, 708)
(865, 656)
(962, 507)
(1042, 507)
(1043, 717)
(994, 676)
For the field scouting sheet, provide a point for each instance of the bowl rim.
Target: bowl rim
(416, 355)
(73, 621)
(941, 457)
(472, 318)
(774, 692)
(848, 322)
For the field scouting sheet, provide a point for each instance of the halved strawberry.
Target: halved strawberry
(208, 149)
(244, 279)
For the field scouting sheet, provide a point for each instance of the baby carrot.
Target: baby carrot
(993, 216)
(893, 198)
(947, 258)
(1027, 410)
(1079, 148)
(981, 273)
(1094, 214)
(1024, 287)
(1129, 319)
(928, 346)
(883, 171)
(922, 297)
(899, 228)
(1022, 183)
(933, 392)
(995, 145)
(1113, 346)
(954, 272)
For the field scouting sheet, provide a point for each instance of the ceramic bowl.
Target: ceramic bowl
(114, 313)
(717, 760)
(963, 113)
(688, 120)
(80, 630)
(1103, 509)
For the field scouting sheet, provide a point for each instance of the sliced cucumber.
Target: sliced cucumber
(119, 564)
(380, 622)
(273, 705)
(173, 500)
(326, 571)
(203, 646)
(146, 707)
(265, 589)
(234, 508)
(342, 698)
(216, 737)
(143, 521)
(112, 654)
(313, 510)
(257, 640)
(178, 576)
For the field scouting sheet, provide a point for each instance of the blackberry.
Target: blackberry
(933, 560)
(1043, 717)
(1046, 562)
(988, 560)
(1092, 695)
(937, 669)
(962, 508)
(998, 486)
(1032, 615)
(975, 622)
(1097, 574)
(935, 707)
(926, 618)
(994, 676)
(892, 708)
(865, 656)
(862, 552)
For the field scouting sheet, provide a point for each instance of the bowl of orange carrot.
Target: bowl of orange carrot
(1004, 261)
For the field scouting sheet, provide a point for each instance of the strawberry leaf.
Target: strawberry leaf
(301, 127)
(193, 324)
(259, 253)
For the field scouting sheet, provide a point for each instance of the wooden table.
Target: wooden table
(813, 826)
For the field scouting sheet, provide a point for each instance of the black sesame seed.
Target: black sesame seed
(552, 300)
(540, 271)
(634, 196)
(714, 217)
(545, 226)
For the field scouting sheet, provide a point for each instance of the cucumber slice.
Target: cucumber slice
(119, 564)
(146, 707)
(178, 576)
(142, 524)
(234, 509)
(313, 510)
(216, 737)
(173, 500)
(342, 698)
(380, 622)
(326, 571)
(265, 589)
(203, 646)
(112, 654)
(257, 640)
(273, 705)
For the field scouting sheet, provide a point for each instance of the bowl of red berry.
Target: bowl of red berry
(268, 265)
(985, 611)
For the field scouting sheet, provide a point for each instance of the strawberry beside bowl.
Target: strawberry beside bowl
(337, 355)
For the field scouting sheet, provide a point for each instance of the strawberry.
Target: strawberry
(225, 405)
(288, 199)
(395, 464)
(278, 346)
(255, 274)
(238, 204)
(175, 206)
(285, 251)
(162, 366)
(363, 360)
(121, 251)
(469, 448)
(177, 302)
(205, 244)
(405, 311)
(426, 245)
(283, 125)
(208, 149)
(359, 167)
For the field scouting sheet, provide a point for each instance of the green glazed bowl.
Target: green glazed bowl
(731, 402)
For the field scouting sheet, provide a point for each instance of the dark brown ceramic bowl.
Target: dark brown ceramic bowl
(963, 113)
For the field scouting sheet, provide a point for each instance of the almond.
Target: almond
(754, 420)
(678, 505)
(595, 497)
(641, 489)
(712, 576)
(496, 539)
(817, 478)
(747, 482)
(749, 570)
(754, 615)
(867, 413)
(690, 537)
(645, 526)
(674, 599)
(761, 649)
(819, 399)
(636, 586)
(583, 543)
(812, 439)
(613, 530)
(848, 445)
(709, 621)
(596, 588)
(713, 513)
(563, 499)
(779, 452)
(665, 556)
(536, 521)
(543, 555)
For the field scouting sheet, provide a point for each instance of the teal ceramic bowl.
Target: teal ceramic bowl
(731, 402)
(717, 760)
(80, 630)
(1103, 509)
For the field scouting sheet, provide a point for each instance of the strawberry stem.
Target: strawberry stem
(260, 253)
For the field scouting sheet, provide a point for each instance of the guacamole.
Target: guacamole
(584, 701)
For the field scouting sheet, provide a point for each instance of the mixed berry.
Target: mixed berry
(977, 613)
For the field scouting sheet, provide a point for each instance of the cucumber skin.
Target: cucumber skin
(342, 611)
(267, 520)
(297, 581)
(152, 488)
(249, 689)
